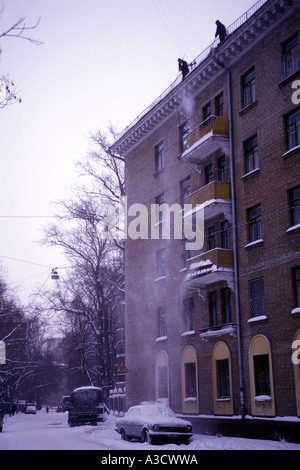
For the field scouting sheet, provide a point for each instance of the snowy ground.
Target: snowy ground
(51, 432)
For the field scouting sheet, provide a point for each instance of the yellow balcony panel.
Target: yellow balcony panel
(205, 139)
(210, 267)
(212, 191)
(215, 198)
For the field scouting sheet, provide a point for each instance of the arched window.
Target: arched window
(162, 375)
(222, 380)
(189, 381)
(261, 377)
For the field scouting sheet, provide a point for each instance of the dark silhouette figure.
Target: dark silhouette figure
(183, 68)
(221, 31)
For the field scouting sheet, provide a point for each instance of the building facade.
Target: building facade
(215, 328)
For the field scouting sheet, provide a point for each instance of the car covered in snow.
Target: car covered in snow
(151, 422)
(30, 409)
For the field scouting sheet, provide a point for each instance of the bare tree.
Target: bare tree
(19, 29)
(89, 292)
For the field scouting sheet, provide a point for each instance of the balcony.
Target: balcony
(215, 197)
(209, 267)
(210, 136)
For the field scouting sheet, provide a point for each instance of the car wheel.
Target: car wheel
(146, 437)
(123, 435)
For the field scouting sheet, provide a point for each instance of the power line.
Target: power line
(168, 24)
(27, 216)
(24, 261)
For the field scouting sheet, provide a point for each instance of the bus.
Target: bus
(86, 406)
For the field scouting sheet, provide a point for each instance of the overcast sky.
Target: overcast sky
(101, 61)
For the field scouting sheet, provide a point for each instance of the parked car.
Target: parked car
(153, 421)
(30, 409)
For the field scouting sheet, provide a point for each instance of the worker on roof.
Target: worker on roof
(183, 67)
(221, 31)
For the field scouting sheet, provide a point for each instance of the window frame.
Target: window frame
(213, 308)
(189, 314)
(223, 379)
(161, 321)
(292, 129)
(249, 88)
(294, 206)
(251, 154)
(296, 283)
(254, 222)
(257, 299)
(289, 52)
(184, 130)
(226, 306)
(159, 157)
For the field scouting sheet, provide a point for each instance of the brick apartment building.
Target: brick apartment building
(213, 329)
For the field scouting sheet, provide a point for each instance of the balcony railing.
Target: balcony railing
(215, 197)
(209, 136)
(209, 267)
(213, 191)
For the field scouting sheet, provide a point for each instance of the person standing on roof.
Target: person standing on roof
(221, 31)
(183, 68)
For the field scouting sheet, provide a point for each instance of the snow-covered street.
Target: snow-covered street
(51, 432)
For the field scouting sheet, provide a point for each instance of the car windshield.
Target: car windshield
(157, 410)
(87, 398)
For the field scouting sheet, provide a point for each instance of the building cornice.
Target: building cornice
(238, 43)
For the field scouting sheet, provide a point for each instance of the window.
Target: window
(257, 297)
(222, 169)
(211, 238)
(184, 129)
(161, 322)
(213, 308)
(160, 262)
(251, 154)
(293, 130)
(297, 285)
(255, 224)
(206, 111)
(190, 380)
(208, 173)
(223, 379)
(289, 57)
(224, 235)
(189, 314)
(226, 306)
(262, 375)
(185, 188)
(159, 157)
(220, 105)
(248, 85)
(162, 372)
(159, 200)
(295, 205)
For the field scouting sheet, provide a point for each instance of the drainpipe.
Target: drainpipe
(234, 232)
